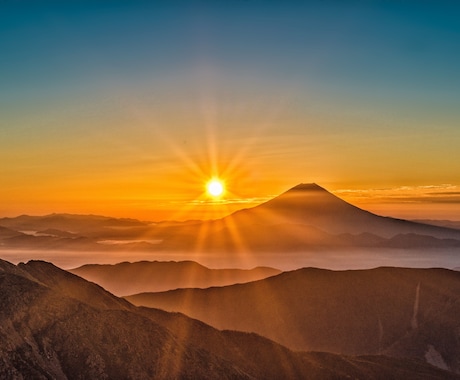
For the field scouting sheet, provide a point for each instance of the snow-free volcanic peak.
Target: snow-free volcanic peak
(311, 205)
(307, 203)
(307, 187)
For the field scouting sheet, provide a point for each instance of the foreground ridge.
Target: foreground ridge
(56, 325)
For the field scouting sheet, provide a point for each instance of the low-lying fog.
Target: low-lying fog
(328, 259)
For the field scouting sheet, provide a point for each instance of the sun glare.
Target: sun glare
(215, 188)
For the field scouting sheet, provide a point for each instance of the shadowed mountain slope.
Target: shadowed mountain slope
(310, 204)
(454, 224)
(6, 233)
(304, 217)
(68, 222)
(153, 276)
(50, 329)
(402, 312)
(46, 334)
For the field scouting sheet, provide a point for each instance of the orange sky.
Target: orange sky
(129, 111)
(144, 166)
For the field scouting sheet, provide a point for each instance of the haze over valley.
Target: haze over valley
(304, 226)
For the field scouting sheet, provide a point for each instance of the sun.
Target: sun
(215, 187)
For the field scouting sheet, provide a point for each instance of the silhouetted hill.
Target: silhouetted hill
(419, 241)
(455, 224)
(56, 325)
(73, 286)
(81, 225)
(305, 217)
(47, 335)
(153, 276)
(6, 233)
(257, 350)
(402, 312)
(310, 204)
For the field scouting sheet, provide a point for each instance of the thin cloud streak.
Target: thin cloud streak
(445, 193)
(235, 201)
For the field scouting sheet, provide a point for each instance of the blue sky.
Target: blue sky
(390, 44)
(350, 94)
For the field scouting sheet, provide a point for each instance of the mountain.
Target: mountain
(7, 233)
(406, 313)
(66, 232)
(46, 333)
(154, 276)
(441, 223)
(312, 205)
(80, 225)
(412, 240)
(55, 325)
(306, 217)
(303, 218)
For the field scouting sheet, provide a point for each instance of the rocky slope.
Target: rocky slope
(154, 276)
(54, 325)
(401, 312)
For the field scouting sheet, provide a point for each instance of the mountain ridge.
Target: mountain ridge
(306, 217)
(397, 311)
(313, 205)
(51, 329)
(147, 276)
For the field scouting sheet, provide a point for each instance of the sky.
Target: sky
(128, 108)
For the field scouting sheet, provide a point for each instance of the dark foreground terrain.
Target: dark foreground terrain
(55, 325)
(401, 312)
(156, 276)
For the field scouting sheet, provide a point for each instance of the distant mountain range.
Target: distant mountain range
(312, 205)
(303, 218)
(154, 276)
(406, 313)
(441, 223)
(55, 325)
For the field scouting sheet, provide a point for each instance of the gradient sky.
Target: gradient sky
(127, 108)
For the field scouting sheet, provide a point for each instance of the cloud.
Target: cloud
(447, 193)
(444, 193)
(231, 201)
